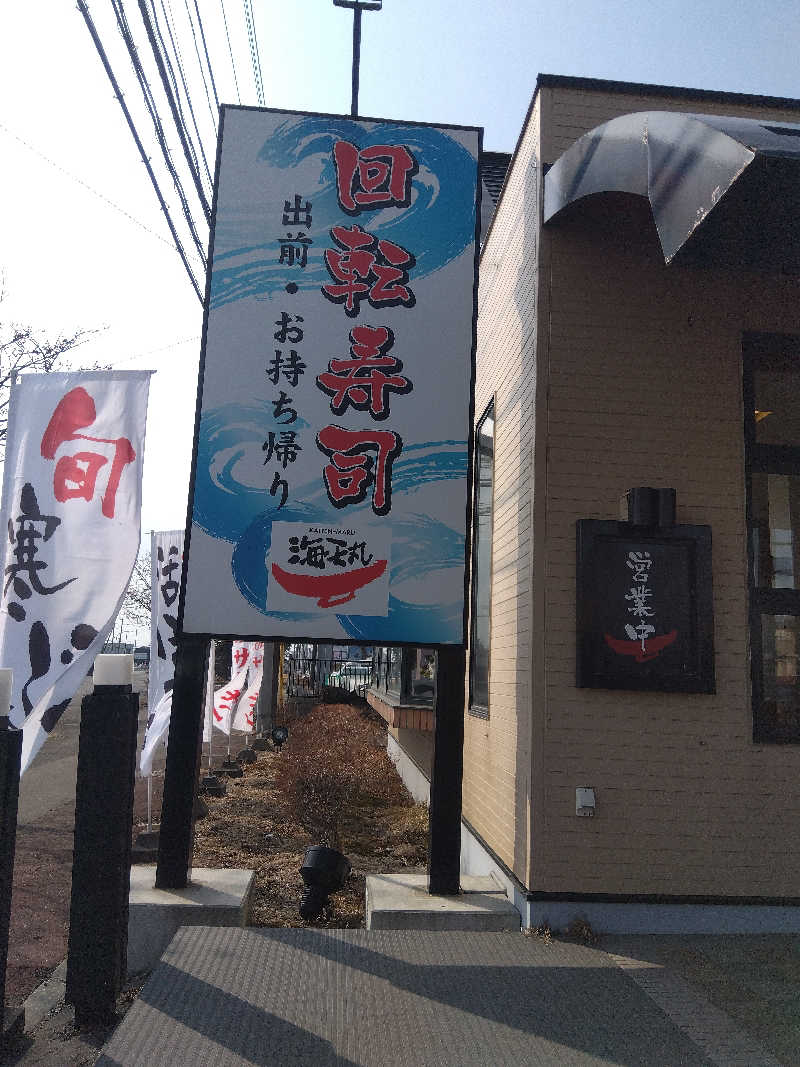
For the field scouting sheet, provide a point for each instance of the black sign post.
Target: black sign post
(444, 819)
(260, 576)
(176, 836)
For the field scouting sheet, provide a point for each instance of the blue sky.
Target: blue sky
(70, 259)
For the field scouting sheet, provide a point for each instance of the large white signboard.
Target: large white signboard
(330, 487)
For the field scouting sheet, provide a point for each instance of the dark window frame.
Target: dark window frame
(392, 690)
(764, 459)
(380, 680)
(480, 710)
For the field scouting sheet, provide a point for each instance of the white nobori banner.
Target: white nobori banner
(71, 503)
(166, 560)
(226, 698)
(244, 719)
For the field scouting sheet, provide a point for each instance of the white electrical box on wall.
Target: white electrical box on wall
(584, 801)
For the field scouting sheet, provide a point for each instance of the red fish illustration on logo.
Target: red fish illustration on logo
(329, 590)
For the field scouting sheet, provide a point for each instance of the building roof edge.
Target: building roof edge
(566, 81)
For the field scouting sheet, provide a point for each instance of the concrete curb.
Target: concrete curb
(46, 997)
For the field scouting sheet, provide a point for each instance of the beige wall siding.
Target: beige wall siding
(633, 372)
(497, 751)
(645, 389)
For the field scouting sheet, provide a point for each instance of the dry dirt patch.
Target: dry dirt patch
(256, 826)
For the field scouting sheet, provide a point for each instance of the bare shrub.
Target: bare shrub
(580, 930)
(335, 758)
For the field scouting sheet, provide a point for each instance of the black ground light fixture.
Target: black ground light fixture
(280, 735)
(213, 786)
(324, 871)
(232, 768)
(145, 847)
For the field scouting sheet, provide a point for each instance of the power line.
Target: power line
(255, 59)
(230, 51)
(174, 105)
(208, 60)
(214, 111)
(173, 36)
(85, 185)
(150, 104)
(84, 10)
(168, 61)
(153, 351)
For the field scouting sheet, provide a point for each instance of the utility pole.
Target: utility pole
(358, 6)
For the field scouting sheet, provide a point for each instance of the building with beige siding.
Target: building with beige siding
(639, 325)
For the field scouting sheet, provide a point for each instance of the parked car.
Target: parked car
(354, 677)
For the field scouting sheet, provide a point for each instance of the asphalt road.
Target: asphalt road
(49, 782)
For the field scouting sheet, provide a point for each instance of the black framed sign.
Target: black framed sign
(330, 486)
(645, 617)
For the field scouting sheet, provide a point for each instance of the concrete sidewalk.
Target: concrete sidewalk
(377, 998)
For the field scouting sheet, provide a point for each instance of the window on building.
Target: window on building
(394, 672)
(481, 565)
(405, 675)
(772, 437)
(422, 674)
(376, 677)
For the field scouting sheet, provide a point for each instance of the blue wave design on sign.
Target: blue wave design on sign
(225, 504)
(436, 227)
(230, 509)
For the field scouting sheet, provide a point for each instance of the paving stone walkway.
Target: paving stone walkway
(712, 1030)
(378, 998)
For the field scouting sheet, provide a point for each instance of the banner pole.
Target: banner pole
(11, 1021)
(183, 765)
(208, 706)
(150, 802)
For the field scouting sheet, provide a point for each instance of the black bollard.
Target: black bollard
(98, 921)
(10, 752)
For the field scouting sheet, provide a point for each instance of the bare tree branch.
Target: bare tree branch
(24, 350)
(136, 605)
